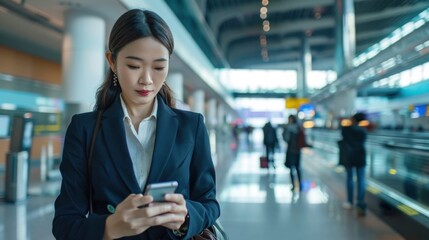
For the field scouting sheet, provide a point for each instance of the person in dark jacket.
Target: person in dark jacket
(354, 138)
(270, 142)
(293, 152)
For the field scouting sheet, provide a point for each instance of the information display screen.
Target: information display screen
(4, 126)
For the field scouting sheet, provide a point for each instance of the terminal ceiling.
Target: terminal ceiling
(229, 31)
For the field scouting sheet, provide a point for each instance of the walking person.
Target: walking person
(270, 142)
(291, 135)
(354, 138)
(142, 139)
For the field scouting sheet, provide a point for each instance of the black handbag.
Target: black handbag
(214, 232)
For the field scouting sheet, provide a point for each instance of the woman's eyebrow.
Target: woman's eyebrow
(141, 59)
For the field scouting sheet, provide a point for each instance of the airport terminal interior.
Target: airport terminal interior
(241, 64)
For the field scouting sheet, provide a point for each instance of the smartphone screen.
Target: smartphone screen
(158, 190)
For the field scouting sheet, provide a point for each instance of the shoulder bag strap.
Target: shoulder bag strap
(220, 232)
(91, 151)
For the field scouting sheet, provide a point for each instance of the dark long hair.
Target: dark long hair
(293, 118)
(133, 25)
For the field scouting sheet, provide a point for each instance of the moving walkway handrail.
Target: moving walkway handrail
(396, 139)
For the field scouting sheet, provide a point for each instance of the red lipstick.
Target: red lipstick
(143, 93)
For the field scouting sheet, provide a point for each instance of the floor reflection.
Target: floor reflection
(28, 219)
(251, 184)
(15, 226)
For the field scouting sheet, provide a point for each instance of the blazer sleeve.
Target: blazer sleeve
(71, 206)
(203, 208)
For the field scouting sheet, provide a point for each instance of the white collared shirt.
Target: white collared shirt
(140, 144)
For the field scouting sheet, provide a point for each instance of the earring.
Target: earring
(115, 79)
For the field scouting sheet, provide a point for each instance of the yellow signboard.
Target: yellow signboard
(296, 102)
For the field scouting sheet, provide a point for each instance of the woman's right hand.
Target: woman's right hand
(130, 218)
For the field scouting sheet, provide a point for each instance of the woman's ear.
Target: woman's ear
(110, 60)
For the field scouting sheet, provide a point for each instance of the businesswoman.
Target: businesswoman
(142, 139)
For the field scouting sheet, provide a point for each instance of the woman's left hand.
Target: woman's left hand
(178, 212)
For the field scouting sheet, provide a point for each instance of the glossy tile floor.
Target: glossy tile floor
(257, 204)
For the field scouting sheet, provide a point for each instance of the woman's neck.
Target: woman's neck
(138, 113)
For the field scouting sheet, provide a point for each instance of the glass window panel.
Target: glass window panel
(258, 80)
(419, 23)
(395, 36)
(416, 74)
(405, 78)
(373, 50)
(363, 57)
(356, 62)
(394, 80)
(332, 76)
(385, 43)
(260, 104)
(426, 71)
(424, 15)
(407, 28)
(317, 79)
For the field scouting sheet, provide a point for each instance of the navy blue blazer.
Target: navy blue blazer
(181, 153)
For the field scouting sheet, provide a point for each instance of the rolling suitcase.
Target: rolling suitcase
(263, 162)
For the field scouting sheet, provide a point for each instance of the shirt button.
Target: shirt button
(110, 208)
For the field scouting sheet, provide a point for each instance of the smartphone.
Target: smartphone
(158, 190)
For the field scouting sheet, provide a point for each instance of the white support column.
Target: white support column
(305, 68)
(175, 82)
(211, 113)
(198, 102)
(220, 115)
(83, 60)
(345, 35)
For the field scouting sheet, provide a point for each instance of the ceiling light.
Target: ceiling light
(265, 2)
(317, 15)
(264, 10)
(266, 23)
(263, 15)
(266, 28)
(264, 52)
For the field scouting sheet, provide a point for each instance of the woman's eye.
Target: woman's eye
(133, 67)
(159, 68)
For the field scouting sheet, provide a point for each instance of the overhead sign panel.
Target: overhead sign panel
(296, 102)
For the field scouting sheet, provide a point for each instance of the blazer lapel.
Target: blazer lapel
(116, 144)
(166, 130)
